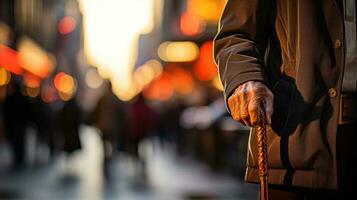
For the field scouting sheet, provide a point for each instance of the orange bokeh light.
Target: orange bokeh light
(182, 80)
(64, 83)
(34, 59)
(5, 76)
(175, 79)
(190, 24)
(9, 59)
(207, 10)
(205, 69)
(32, 81)
(66, 25)
(160, 89)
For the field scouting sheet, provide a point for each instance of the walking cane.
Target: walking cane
(263, 154)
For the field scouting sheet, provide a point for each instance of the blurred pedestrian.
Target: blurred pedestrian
(16, 110)
(109, 117)
(69, 121)
(299, 59)
(142, 121)
(43, 118)
(168, 127)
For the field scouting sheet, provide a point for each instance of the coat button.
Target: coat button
(332, 92)
(338, 43)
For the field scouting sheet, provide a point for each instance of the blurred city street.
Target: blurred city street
(176, 99)
(116, 100)
(80, 177)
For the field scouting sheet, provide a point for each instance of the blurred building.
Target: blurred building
(181, 42)
(187, 89)
(39, 40)
(159, 61)
(40, 50)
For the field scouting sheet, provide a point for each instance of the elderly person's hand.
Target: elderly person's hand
(244, 103)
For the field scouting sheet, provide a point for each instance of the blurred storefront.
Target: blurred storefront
(40, 48)
(40, 39)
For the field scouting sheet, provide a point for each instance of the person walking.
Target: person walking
(109, 117)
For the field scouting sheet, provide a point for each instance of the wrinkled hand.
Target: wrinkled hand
(244, 103)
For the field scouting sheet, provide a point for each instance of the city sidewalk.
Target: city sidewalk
(80, 177)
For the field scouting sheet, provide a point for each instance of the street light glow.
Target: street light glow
(111, 31)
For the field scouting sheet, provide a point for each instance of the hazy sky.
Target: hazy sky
(111, 30)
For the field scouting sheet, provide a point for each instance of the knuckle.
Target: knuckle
(254, 118)
(244, 92)
(269, 111)
(244, 115)
(269, 99)
(236, 117)
(253, 108)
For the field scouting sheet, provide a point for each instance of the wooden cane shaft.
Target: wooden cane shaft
(263, 155)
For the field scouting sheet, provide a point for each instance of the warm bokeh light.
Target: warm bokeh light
(111, 31)
(174, 80)
(208, 10)
(33, 58)
(190, 24)
(143, 76)
(178, 51)
(65, 83)
(161, 88)
(9, 59)
(32, 81)
(182, 80)
(205, 69)
(93, 80)
(66, 25)
(65, 96)
(32, 92)
(5, 76)
(156, 67)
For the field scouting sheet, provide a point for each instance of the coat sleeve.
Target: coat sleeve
(240, 43)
